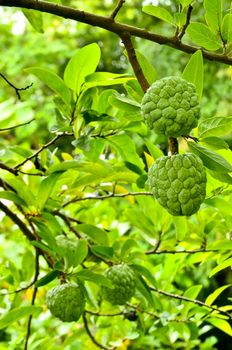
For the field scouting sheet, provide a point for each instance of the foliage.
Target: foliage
(75, 154)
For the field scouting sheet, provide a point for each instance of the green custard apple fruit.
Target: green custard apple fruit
(170, 107)
(66, 302)
(123, 279)
(178, 182)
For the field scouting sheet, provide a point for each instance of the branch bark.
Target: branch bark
(109, 24)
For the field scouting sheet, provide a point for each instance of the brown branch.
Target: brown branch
(104, 314)
(201, 250)
(16, 126)
(188, 16)
(173, 145)
(117, 8)
(91, 335)
(194, 301)
(17, 221)
(36, 275)
(51, 142)
(7, 168)
(13, 86)
(126, 39)
(111, 195)
(112, 26)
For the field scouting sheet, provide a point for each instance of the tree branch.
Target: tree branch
(17, 221)
(112, 26)
(13, 86)
(188, 16)
(173, 145)
(36, 275)
(126, 39)
(91, 335)
(51, 142)
(183, 298)
(194, 251)
(111, 195)
(117, 8)
(17, 126)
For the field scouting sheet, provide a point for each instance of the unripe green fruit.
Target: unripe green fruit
(170, 107)
(178, 182)
(122, 278)
(67, 302)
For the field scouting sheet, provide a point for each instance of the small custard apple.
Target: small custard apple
(178, 182)
(122, 278)
(170, 107)
(66, 302)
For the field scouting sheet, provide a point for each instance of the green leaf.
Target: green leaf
(125, 103)
(53, 81)
(181, 227)
(102, 251)
(106, 79)
(227, 27)
(66, 165)
(214, 142)
(144, 289)
(126, 148)
(83, 63)
(146, 273)
(213, 296)
(223, 177)
(18, 313)
(81, 252)
(147, 68)
(45, 189)
(211, 160)
(88, 275)
(201, 35)
(213, 14)
(223, 325)
(221, 244)
(35, 18)
(49, 277)
(154, 150)
(128, 245)
(194, 72)
(13, 197)
(95, 233)
(222, 266)
(158, 12)
(216, 126)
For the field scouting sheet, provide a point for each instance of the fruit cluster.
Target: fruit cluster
(67, 301)
(170, 107)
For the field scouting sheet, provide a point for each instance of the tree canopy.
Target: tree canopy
(76, 199)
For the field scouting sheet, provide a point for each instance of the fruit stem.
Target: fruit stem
(173, 145)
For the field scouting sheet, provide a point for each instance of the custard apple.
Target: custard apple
(170, 107)
(178, 182)
(122, 278)
(67, 302)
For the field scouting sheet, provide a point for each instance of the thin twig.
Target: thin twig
(7, 168)
(51, 142)
(126, 39)
(91, 335)
(17, 221)
(17, 126)
(117, 8)
(111, 195)
(14, 87)
(188, 16)
(104, 314)
(194, 301)
(195, 251)
(36, 275)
